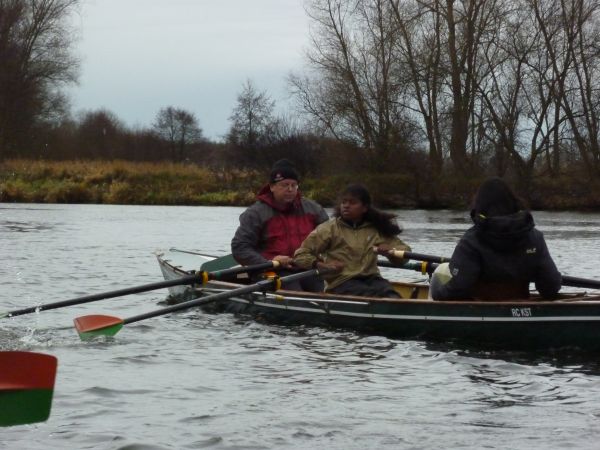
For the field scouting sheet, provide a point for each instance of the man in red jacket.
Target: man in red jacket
(274, 227)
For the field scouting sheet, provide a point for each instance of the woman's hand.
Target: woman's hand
(330, 266)
(383, 249)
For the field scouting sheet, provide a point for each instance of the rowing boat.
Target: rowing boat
(573, 320)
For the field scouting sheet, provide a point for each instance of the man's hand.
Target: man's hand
(285, 262)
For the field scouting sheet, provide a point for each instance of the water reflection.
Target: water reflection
(550, 362)
(321, 345)
(23, 227)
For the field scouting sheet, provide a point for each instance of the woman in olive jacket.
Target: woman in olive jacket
(500, 254)
(346, 247)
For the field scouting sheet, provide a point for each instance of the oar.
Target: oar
(214, 262)
(94, 325)
(26, 387)
(584, 283)
(423, 267)
(199, 277)
(418, 256)
(567, 280)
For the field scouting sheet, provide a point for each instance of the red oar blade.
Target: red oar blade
(26, 387)
(97, 325)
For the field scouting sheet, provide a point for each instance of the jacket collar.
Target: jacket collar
(266, 196)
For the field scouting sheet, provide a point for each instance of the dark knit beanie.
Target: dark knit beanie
(282, 170)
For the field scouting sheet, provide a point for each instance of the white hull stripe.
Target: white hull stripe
(426, 318)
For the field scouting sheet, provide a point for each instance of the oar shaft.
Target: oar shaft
(423, 267)
(260, 286)
(219, 274)
(190, 279)
(199, 277)
(567, 280)
(580, 282)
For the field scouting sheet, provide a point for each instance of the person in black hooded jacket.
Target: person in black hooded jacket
(501, 254)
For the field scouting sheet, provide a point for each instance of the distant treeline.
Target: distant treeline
(166, 183)
(419, 99)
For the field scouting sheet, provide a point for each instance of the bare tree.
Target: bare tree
(419, 48)
(353, 88)
(252, 118)
(253, 125)
(179, 128)
(580, 88)
(36, 63)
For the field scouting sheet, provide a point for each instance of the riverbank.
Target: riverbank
(122, 182)
(130, 183)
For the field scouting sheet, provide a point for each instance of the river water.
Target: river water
(193, 380)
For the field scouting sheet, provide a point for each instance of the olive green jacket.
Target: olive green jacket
(353, 246)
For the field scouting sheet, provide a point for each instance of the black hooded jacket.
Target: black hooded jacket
(499, 255)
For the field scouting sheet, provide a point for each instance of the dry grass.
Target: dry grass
(120, 182)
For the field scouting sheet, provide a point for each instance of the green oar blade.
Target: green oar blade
(224, 262)
(97, 325)
(25, 406)
(26, 387)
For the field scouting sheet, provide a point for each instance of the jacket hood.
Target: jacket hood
(505, 232)
(265, 196)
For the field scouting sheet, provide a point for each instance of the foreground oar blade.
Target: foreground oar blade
(26, 387)
(97, 325)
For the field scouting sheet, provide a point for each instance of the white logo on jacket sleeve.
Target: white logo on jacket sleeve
(531, 251)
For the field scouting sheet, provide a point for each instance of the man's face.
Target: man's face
(284, 191)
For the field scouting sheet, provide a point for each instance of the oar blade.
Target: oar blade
(26, 387)
(224, 262)
(97, 325)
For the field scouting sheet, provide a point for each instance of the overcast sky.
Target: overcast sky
(138, 56)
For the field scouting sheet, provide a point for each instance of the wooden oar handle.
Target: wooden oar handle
(417, 256)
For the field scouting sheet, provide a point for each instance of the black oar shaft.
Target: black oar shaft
(199, 277)
(190, 279)
(580, 282)
(567, 280)
(219, 274)
(261, 285)
(424, 267)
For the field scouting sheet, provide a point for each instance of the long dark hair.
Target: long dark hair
(384, 222)
(495, 198)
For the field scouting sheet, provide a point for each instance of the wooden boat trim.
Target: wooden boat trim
(318, 296)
